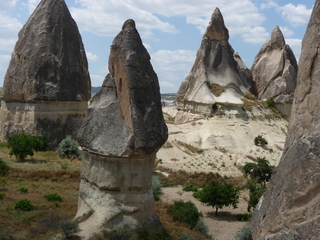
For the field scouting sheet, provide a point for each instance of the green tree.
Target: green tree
(255, 193)
(260, 171)
(68, 148)
(218, 195)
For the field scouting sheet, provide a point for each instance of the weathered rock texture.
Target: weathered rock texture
(290, 207)
(47, 84)
(274, 70)
(218, 74)
(122, 132)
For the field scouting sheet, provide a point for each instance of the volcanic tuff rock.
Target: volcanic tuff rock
(290, 207)
(274, 70)
(47, 84)
(218, 74)
(122, 132)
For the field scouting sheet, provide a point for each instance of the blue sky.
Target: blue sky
(171, 30)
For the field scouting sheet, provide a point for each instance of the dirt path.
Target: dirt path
(221, 227)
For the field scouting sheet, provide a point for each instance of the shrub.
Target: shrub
(255, 193)
(4, 168)
(23, 190)
(53, 197)
(218, 195)
(270, 103)
(118, 233)
(244, 216)
(244, 233)
(21, 145)
(184, 236)
(156, 187)
(6, 236)
(190, 188)
(184, 212)
(201, 227)
(2, 195)
(69, 228)
(259, 140)
(24, 205)
(68, 148)
(147, 233)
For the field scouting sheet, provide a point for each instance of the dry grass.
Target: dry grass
(216, 89)
(190, 148)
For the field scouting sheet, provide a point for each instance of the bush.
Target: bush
(53, 197)
(156, 188)
(68, 148)
(24, 205)
(4, 168)
(21, 145)
(147, 233)
(190, 188)
(218, 195)
(255, 193)
(184, 212)
(6, 236)
(201, 227)
(118, 233)
(244, 233)
(2, 195)
(270, 103)
(259, 140)
(23, 190)
(69, 228)
(244, 216)
(184, 236)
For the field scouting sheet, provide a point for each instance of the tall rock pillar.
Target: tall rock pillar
(290, 207)
(123, 130)
(47, 85)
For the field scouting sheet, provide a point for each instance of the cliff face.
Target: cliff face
(289, 208)
(218, 74)
(274, 70)
(122, 132)
(47, 85)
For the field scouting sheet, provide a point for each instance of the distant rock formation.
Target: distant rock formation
(274, 70)
(218, 74)
(47, 85)
(290, 207)
(122, 132)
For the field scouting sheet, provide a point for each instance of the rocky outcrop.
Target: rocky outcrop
(122, 132)
(274, 70)
(290, 207)
(218, 74)
(47, 84)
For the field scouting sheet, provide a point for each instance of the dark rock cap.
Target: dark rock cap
(125, 118)
(49, 61)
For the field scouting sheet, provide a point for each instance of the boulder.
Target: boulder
(47, 85)
(290, 207)
(123, 130)
(218, 74)
(274, 70)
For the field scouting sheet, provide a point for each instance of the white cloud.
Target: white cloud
(4, 62)
(96, 80)
(295, 45)
(9, 28)
(286, 31)
(6, 5)
(256, 35)
(172, 67)
(32, 4)
(92, 57)
(147, 46)
(296, 15)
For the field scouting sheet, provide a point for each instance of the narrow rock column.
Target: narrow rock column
(123, 130)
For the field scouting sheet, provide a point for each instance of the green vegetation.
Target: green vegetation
(4, 168)
(69, 228)
(260, 171)
(68, 148)
(259, 140)
(53, 197)
(244, 216)
(21, 145)
(218, 195)
(24, 205)
(190, 188)
(270, 103)
(156, 188)
(23, 190)
(184, 212)
(244, 233)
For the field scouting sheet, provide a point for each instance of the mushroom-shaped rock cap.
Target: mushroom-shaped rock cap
(48, 62)
(125, 118)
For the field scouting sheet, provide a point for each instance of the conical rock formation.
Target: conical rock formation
(274, 70)
(290, 207)
(218, 74)
(47, 84)
(122, 132)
